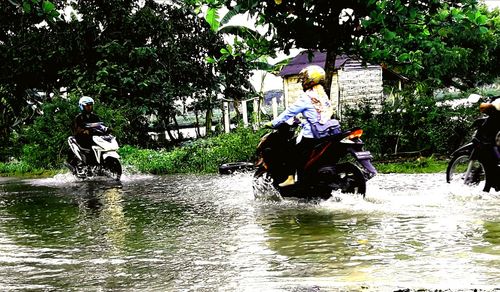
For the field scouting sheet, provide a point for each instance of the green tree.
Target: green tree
(142, 57)
(27, 62)
(372, 27)
(456, 44)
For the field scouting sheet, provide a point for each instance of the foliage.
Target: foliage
(199, 156)
(26, 61)
(146, 58)
(431, 41)
(456, 43)
(24, 169)
(419, 165)
(410, 125)
(45, 141)
(141, 57)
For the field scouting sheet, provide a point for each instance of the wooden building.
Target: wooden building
(352, 82)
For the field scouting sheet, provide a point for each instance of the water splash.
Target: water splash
(62, 179)
(264, 190)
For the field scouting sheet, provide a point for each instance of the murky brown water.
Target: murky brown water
(209, 233)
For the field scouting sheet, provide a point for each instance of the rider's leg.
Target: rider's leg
(290, 155)
(297, 158)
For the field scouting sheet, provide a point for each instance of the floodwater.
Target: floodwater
(210, 233)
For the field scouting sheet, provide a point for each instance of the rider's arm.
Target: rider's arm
(296, 108)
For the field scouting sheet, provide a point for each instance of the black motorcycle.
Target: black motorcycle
(336, 162)
(478, 160)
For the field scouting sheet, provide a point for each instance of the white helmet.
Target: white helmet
(84, 100)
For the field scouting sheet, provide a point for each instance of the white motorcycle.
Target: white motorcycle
(101, 160)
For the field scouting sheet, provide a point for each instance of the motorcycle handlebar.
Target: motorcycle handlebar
(98, 128)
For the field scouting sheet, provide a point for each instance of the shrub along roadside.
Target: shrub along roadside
(198, 156)
(206, 155)
(164, 162)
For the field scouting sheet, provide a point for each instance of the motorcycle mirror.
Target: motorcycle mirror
(473, 98)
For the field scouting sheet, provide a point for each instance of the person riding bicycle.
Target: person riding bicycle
(315, 107)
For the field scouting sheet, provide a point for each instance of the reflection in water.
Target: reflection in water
(210, 233)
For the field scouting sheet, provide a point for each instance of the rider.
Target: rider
(80, 131)
(491, 131)
(314, 106)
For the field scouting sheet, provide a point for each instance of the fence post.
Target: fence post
(245, 113)
(275, 107)
(256, 120)
(225, 105)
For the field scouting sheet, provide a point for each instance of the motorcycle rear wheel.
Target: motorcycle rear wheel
(350, 179)
(457, 170)
(112, 168)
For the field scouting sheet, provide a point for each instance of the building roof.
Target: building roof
(300, 61)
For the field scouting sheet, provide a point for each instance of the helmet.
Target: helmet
(84, 101)
(311, 75)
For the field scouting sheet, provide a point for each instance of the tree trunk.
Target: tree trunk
(331, 55)
(208, 119)
(178, 130)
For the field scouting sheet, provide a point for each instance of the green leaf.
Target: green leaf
(211, 18)
(404, 57)
(483, 30)
(389, 35)
(48, 6)
(413, 13)
(443, 14)
(481, 19)
(444, 31)
(26, 7)
(229, 15)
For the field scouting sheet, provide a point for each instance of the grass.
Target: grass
(412, 165)
(22, 169)
(167, 162)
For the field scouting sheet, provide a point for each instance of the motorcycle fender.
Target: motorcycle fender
(113, 154)
(466, 147)
(364, 158)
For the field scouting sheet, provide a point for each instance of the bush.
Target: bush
(198, 156)
(45, 141)
(412, 125)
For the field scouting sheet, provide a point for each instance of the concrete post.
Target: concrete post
(275, 107)
(225, 105)
(245, 113)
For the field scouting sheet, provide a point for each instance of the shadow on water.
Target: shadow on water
(211, 232)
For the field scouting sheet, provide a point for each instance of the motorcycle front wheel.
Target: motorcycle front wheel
(112, 168)
(462, 170)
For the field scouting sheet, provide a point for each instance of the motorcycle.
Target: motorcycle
(479, 159)
(101, 160)
(326, 169)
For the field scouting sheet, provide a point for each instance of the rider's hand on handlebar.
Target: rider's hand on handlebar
(268, 125)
